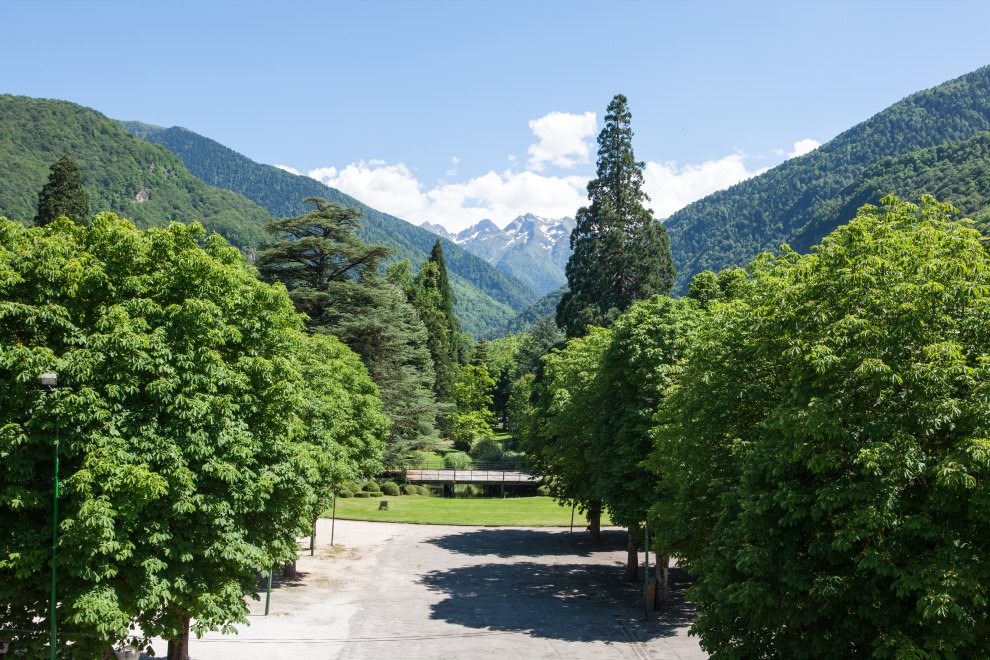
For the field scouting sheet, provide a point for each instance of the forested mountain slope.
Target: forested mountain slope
(486, 295)
(958, 172)
(121, 173)
(729, 227)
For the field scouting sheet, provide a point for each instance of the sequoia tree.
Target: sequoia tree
(63, 194)
(621, 253)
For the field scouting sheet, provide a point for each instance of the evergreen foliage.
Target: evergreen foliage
(824, 459)
(334, 278)
(730, 227)
(620, 252)
(121, 173)
(63, 194)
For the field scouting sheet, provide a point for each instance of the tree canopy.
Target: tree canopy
(62, 194)
(824, 458)
(620, 252)
(192, 451)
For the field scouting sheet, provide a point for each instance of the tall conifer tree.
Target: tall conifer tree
(63, 194)
(448, 301)
(334, 277)
(621, 253)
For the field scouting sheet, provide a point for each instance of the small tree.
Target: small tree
(62, 195)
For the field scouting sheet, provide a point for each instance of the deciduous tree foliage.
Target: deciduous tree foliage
(620, 252)
(557, 434)
(62, 194)
(190, 461)
(825, 457)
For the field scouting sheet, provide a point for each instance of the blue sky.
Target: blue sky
(454, 111)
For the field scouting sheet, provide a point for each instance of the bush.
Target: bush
(369, 486)
(487, 450)
(410, 489)
(472, 491)
(457, 460)
(376, 493)
(362, 493)
(543, 491)
(390, 488)
(345, 493)
(424, 490)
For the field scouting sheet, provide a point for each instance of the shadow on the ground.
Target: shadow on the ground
(572, 602)
(529, 542)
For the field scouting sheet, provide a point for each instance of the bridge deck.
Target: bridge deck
(470, 476)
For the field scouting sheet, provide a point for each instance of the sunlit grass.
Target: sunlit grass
(509, 512)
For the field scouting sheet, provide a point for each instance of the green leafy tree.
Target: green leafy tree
(638, 367)
(557, 430)
(620, 251)
(63, 194)
(825, 456)
(473, 418)
(188, 461)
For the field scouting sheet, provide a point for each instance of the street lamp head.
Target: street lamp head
(49, 380)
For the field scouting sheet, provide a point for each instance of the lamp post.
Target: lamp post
(50, 381)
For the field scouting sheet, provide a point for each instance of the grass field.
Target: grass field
(510, 512)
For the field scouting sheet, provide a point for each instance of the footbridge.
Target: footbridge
(475, 476)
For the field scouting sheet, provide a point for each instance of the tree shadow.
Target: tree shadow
(507, 543)
(572, 602)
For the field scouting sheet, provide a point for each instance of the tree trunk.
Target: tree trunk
(595, 520)
(663, 579)
(178, 649)
(632, 555)
(289, 570)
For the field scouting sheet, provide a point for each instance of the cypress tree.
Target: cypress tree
(621, 253)
(448, 301)
(63, 194)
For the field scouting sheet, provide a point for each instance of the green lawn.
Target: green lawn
(514, 511)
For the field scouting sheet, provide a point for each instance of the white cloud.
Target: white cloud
(672, 187)
(563, 139)
(287, 168)
(497, 196)
(801, 147)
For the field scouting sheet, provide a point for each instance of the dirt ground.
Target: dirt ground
(427, 591)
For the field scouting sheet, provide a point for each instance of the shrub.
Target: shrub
(376, 493)
(345, 493)
(369, 486)
(472, 491)
(410, 489)
(390, 488)
(457, 460)
(543, 491)
(424, 490)
(487, 450)
(362, 493)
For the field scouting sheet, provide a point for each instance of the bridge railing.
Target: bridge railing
(470, 476)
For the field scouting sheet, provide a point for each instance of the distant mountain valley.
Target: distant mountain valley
(532, 249)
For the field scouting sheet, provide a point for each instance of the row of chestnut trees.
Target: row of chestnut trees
(809, 437)
(199, 427)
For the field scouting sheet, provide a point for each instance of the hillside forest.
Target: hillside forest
(804, 428)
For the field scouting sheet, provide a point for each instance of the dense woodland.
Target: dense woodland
(805, 433)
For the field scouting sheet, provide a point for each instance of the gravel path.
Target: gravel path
(430, 591)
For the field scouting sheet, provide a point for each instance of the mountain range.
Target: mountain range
(936, 141)
(531, 248)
